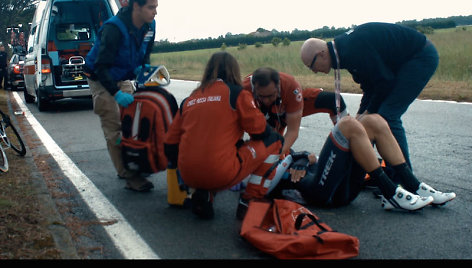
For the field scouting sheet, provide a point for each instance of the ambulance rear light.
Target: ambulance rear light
(45, 66)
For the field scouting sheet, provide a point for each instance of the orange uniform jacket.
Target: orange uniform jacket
(207, 129)
(292, 99)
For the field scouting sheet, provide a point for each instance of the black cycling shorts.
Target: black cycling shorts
(336, 178)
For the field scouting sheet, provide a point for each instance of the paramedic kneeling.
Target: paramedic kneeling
(205, 137)
(283, 101)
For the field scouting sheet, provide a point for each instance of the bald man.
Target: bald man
(392, 64)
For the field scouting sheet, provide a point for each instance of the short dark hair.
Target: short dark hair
(263, 76)
(139, 2)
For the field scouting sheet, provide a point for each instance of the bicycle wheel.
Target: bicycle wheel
(14, 139)
(3, 160)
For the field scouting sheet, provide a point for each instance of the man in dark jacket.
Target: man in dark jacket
(392, 64)
(123, 45)
(3, 66)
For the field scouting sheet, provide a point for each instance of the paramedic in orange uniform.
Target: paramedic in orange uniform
(205, 137)
(283, 102)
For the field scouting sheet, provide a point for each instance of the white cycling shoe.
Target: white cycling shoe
(440, 198)
(406, 200)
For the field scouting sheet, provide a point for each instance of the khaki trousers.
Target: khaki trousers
(105, 106)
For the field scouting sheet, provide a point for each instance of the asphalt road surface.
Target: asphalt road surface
(143, 225)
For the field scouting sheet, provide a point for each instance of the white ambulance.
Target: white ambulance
(62, 33)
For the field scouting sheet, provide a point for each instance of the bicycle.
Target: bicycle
(10, 138)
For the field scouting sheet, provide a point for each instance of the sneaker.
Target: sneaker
(202, 204)
(243, 205)
(406, 200)
(138, 184)
(440, 198)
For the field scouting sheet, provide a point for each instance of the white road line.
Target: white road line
(344, 93)
(126, 239)
(426, 100)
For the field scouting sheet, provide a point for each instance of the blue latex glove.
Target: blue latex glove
(123, 99)
(140, 68)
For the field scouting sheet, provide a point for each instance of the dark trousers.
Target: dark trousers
(410, 81)
(3, 77)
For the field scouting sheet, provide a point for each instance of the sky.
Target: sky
(181, 20)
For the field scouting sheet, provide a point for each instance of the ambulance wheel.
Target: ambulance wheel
(40, 102)
(28, 98)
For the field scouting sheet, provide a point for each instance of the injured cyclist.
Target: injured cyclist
(337, 176)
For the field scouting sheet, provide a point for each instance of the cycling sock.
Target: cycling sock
(408, 179)
(386, 186)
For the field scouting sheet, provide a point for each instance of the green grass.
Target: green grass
(452, 80)
(455, 53)
(192, 63)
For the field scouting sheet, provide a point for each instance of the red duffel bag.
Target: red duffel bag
(288, 230)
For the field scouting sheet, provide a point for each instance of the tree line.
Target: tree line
(20, 12)
(263, 36)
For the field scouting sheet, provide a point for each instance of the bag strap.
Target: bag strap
(299, 220)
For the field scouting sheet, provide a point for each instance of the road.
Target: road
(145, 226)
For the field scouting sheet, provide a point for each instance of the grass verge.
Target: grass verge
(24, 232)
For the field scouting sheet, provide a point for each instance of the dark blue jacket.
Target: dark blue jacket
(125, 49)
(373, 53)
(3, 59)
